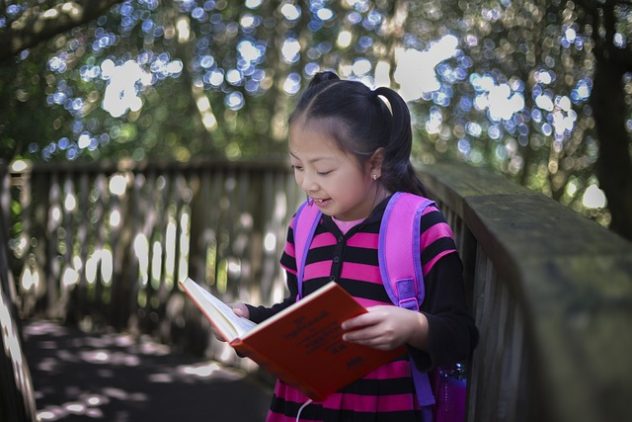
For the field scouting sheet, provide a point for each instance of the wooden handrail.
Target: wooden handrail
(552, 295)
(17, 401)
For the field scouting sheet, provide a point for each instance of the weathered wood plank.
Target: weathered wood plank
(17, 400)
(570, 278)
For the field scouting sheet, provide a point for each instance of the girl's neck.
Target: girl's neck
(381, 193)
(346, 225)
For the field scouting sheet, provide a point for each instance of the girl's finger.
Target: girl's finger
(359, 321)
(241, 310)
(373, 342)
(367, 334)
(219, 337)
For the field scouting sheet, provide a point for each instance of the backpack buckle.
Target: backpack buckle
(410, 304)
(406, 294)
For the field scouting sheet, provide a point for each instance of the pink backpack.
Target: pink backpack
(399, 257)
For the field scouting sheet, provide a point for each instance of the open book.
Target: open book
(302, 345)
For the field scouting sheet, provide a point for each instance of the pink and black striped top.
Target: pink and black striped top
(352, 260)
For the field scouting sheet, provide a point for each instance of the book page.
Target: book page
(219, 314)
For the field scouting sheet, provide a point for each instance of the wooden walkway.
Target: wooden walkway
(550, 290)
(110, 377)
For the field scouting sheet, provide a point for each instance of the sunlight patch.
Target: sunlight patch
(415, 71)
(124, 84)
(209, 370)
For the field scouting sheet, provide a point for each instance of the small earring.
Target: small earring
(374, 176)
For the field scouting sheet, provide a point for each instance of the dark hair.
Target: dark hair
(361, 122)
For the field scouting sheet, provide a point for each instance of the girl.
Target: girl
(350, 149)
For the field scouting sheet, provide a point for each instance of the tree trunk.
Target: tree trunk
(614, 166)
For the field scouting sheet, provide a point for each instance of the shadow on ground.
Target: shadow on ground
(111, 377)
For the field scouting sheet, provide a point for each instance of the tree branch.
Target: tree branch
(35, 25)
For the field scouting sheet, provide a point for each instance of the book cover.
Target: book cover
(302, 345)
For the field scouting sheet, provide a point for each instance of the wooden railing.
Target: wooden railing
(551, 291)
(106, 244)
(17, 401)
(552, 296)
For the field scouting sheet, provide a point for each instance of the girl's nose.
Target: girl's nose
(308, 184)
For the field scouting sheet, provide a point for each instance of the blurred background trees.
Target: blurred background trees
(538, 90)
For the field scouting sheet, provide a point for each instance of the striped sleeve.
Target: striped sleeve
(437, 238)
(288, 257)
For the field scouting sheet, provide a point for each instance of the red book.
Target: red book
(302, 345)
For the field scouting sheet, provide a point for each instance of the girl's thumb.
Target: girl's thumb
(240, 310)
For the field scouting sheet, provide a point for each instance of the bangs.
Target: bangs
(340, 132)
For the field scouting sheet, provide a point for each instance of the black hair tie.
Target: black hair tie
(325, 76)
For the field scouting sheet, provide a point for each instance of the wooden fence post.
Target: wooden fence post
(17, 403)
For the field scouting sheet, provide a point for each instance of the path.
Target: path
(109, 377)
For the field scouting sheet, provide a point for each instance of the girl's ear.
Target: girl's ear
(375, 163)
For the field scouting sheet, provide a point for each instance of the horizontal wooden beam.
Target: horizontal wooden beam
(571, 278)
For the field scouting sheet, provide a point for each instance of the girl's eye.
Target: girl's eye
(297, 168)
(324, 173)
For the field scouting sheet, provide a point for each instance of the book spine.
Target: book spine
(244, 348)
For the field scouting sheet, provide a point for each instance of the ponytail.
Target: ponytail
(398, 173)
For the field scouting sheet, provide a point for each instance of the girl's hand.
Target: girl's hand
(240, 309)
(387, 327)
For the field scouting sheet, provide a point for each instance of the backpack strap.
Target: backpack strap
(305, 223)
(400, 263)
(399, 255)
(399, 250)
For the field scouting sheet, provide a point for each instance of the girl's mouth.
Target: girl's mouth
(321, 202)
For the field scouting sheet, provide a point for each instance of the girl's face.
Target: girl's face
(339, 185)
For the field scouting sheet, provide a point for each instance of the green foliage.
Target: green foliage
(218, 78)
